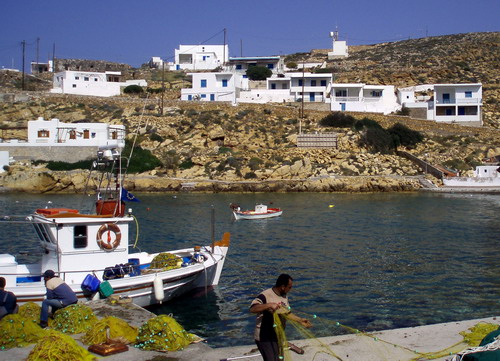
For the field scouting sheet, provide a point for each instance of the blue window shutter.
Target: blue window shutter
(203, 83)
(224, 83)
(212, 97)
(203, 95)
(190, 97)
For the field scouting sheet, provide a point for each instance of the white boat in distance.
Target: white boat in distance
(261, 211)
(83, 249)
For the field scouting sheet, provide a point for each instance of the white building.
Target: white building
(156, 62)
(313, 87)
(449, 103)
(221, 86)
(91, 83)
(4, 160)
(363, 98)
(241, 64)
(200, 57)
(339, 47)
(53, 132)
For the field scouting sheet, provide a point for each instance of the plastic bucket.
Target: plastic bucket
(135, 267)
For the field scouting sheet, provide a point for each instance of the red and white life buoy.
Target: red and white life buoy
(109, 236)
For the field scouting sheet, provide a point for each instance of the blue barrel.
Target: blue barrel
(135, 265)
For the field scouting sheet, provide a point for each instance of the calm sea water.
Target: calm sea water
(368, 261)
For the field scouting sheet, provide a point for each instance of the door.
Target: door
(342, 107)
(311, 96)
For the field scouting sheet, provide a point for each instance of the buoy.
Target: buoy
(158, 287)
(331, 206)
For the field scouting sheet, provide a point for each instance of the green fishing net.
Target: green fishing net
(18, 331)
(74, 319)
(477, 333)
(166, 261)
(110, 327)
(55, 346)
(163, 333)
(30, 311)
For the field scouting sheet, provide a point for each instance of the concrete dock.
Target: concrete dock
(437, 342)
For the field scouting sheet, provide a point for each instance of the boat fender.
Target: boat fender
(158, 288)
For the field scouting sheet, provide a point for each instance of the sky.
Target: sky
(131, 32)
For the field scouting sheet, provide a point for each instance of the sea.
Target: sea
(359, 261)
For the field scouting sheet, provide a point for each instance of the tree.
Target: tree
(258, 73)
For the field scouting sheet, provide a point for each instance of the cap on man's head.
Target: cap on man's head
(49, 274)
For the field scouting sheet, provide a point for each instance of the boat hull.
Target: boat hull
(253, 215)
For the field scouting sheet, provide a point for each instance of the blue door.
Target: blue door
(342, 107)
(311, 96)
(212, 97)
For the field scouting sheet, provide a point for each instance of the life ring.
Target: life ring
(107, 243)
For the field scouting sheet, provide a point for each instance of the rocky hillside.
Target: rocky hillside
(248, 147)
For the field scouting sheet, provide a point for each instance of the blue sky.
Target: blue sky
(132, 32)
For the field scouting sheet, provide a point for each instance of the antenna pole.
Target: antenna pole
(24, 50)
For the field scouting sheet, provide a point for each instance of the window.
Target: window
(77, 78)
(446, 98)
(86, 78)
(203, 83)
(376, 93)
(95, 79)
(468, 94)
(323, 83)
(203, 95)
(313, 82)
(74, 85)
(212, 97)
(86, 134)
(224, 83)
(300, 82)
(190, 97)
(238, 67)
(340, 93)
(72, 134)
(43, 133)
(270, 66)
(93, 135)
(80, 237)
(273, 85)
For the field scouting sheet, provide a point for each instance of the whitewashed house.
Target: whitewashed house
(363, 98)
(91, 83)
(241, 64)
(200, 57)
(221, 86)
(448, 103)
(339, 47)
(458, 103)
(313, 87)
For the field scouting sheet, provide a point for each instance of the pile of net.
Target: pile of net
(73, 319)
(18, 331)
(110, 328)
(166, 261)
(30, 311)
(163, 333)
(55, 346)
(477, 333)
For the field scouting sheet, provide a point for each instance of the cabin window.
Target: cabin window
(72, 134)
(376, 93)
(80, 237)
(41, 232)
(86, 134)
(43, 133)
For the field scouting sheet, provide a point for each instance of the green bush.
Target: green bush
(378, 140)
(258, 73)
(366, 123)
(254, 163)
(56, 165)
(156, 137)
(133, 89)
(404, 135)
(142, 160)
(338, 120)
(250, 175)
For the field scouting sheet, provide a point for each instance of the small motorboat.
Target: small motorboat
(261, 211)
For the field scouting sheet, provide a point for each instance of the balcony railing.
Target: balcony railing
(356, 99)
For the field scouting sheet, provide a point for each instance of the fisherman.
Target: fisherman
(8, 301)
(59, 295)
(270, 301)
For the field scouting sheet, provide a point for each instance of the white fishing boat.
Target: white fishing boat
(89, 251)
(261, 211)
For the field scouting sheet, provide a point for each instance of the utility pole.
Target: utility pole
(24, 50)
(162, 85)
(224, 49)
(54, 58)
(303, 95)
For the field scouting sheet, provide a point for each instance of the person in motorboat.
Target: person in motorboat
(59, 295)
(270, 301)
(8, 300)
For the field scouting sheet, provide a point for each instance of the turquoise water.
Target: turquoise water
(369, 261)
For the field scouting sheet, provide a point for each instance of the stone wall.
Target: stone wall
(60, 154)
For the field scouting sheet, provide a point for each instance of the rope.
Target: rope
(492, 346)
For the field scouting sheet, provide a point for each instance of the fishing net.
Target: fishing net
(74, 319)
(166, 261)
(30, 311)
(110, 327)
(163, 333)
(55, 346)
(18, 331)
(477, 333)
